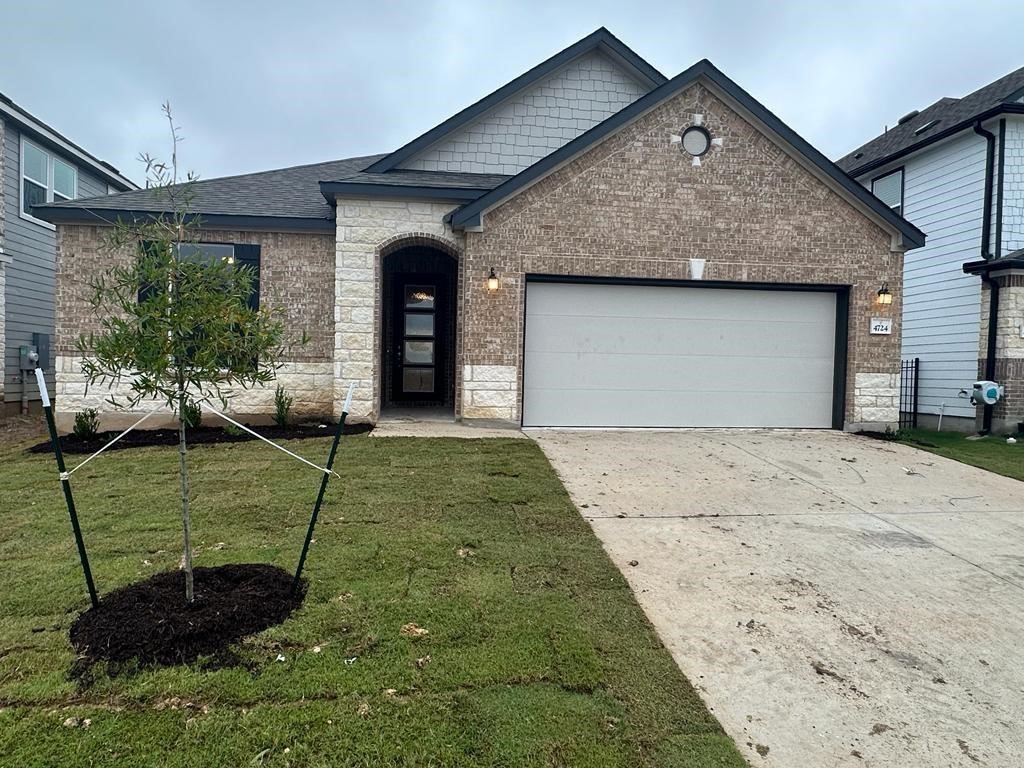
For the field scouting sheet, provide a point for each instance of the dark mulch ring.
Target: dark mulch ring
(150, 624)
(140, 438)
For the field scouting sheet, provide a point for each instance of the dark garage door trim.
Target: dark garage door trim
(842, 293)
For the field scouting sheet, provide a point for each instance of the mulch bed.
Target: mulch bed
(150, 623)
(141, 438)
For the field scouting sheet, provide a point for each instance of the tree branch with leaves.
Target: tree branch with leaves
(176, 322)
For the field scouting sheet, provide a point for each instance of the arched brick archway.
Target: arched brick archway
(397, 382)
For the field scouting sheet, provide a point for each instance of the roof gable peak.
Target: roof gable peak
(600, 40)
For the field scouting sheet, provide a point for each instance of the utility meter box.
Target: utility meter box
(28, 357)
(986, 393)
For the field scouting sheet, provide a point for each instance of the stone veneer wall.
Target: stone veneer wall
(294, 278)
(634, 206)
(368, 230)
(1008, 412)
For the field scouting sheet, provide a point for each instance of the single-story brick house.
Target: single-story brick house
(590, 245)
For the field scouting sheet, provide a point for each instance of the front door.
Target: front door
(418, 333)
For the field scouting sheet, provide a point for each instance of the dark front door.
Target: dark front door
(419, 332)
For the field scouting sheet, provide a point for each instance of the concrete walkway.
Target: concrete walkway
(837, 601)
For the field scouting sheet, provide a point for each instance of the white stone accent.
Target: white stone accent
(310, 384)
(1010, 336)
(364, 226)
(533, 123)
(876, 399)
(490, 392)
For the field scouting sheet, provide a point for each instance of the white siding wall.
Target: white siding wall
(532, 124)
(1013, 186)
(944, 197)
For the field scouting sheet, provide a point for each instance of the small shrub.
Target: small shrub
(282, 406)
(232, 430)
(192, 414)
(87, 424)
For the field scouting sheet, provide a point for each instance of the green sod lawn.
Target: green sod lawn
(538, 652)
(991, 453)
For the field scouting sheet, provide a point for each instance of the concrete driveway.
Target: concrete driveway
(838, 601)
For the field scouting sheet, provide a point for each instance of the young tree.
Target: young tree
(176, 321)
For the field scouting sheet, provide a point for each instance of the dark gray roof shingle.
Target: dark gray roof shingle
(287, 192)
(947, 111)
(440, 179)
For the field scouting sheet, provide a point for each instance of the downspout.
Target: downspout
(986, 254)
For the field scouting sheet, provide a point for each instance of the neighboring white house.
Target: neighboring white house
(956, 170)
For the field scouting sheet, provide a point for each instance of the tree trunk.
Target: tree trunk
(186, 520)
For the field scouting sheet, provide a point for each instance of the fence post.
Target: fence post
(917, 381)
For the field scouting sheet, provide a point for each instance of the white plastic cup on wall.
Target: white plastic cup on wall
(696, 269)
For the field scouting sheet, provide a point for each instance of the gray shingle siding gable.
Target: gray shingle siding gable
(29, 290)
(530, 125)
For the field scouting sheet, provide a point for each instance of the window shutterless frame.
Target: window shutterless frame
(900, 204)
(47, 184)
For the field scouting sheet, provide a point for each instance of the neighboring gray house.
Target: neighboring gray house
(956, 170)
(37, 166)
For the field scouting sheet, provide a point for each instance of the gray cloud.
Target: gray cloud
(258, 85)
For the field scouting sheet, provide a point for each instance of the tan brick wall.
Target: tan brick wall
(634, 206)
(295, 276)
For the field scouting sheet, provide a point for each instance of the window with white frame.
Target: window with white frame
(889, 189)
(45, 178)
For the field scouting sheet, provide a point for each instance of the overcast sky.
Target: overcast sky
(258, 85)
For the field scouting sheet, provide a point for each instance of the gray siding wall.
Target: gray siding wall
(943, 196)
(30, 275)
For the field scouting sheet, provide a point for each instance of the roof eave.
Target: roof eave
(469, 216)
(40, 131)
(331, 190)
(987, 266)
(108, 217)
(1000, 109)
(601, 38)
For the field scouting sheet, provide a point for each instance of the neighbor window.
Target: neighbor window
(45, 178)
(889, 189)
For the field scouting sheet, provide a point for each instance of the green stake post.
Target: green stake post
(323, 489)
(66, 483)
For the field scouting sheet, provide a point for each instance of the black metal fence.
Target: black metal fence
(909, 383)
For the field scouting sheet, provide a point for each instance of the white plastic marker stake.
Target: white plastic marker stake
(42, 388)
(348, 398)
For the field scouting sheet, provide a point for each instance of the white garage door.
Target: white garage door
(657, 356)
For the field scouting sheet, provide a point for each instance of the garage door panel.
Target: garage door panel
(655, 409)
(637, 336)
(640, 373)
(631, 355)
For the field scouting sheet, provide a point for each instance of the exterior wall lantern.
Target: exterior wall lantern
(884, 296)
(492, 282)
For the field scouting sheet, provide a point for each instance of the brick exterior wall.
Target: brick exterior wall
(634, 206)
(1009, 411)
(368, 231)
(530, 125)
(295, 272)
